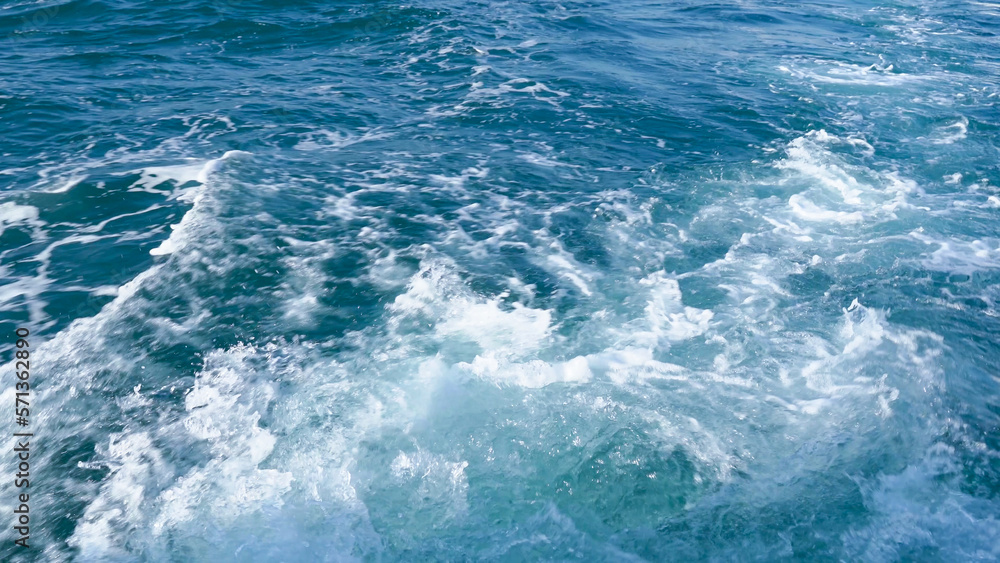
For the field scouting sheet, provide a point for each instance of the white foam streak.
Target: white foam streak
(960, 256)
(178, 238)
(953, 133)
(846, 74)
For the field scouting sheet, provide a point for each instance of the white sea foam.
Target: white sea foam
(805, 209)
(826, 72)
(435, 293)
(321, 139)
(180, 232)
(544, 161)
(180, 175)
(537, 90)
(12, 214)
(806, 156)
(667, 316)
(952, 133)
(960, 256)
(148, 490)
(532, 374)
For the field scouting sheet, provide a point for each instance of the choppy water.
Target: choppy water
(504, 281)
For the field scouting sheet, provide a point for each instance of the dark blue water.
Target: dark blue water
(504, 281)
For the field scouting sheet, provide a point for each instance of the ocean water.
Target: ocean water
(589, 280)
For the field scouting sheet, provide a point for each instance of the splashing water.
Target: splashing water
(504, 281)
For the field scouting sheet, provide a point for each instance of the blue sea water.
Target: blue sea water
(485, 280)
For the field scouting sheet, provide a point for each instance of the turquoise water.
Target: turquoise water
(504, 281)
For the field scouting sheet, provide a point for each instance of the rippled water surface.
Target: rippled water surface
(504, 281)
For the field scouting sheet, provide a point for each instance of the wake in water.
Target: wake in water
(506, 283)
